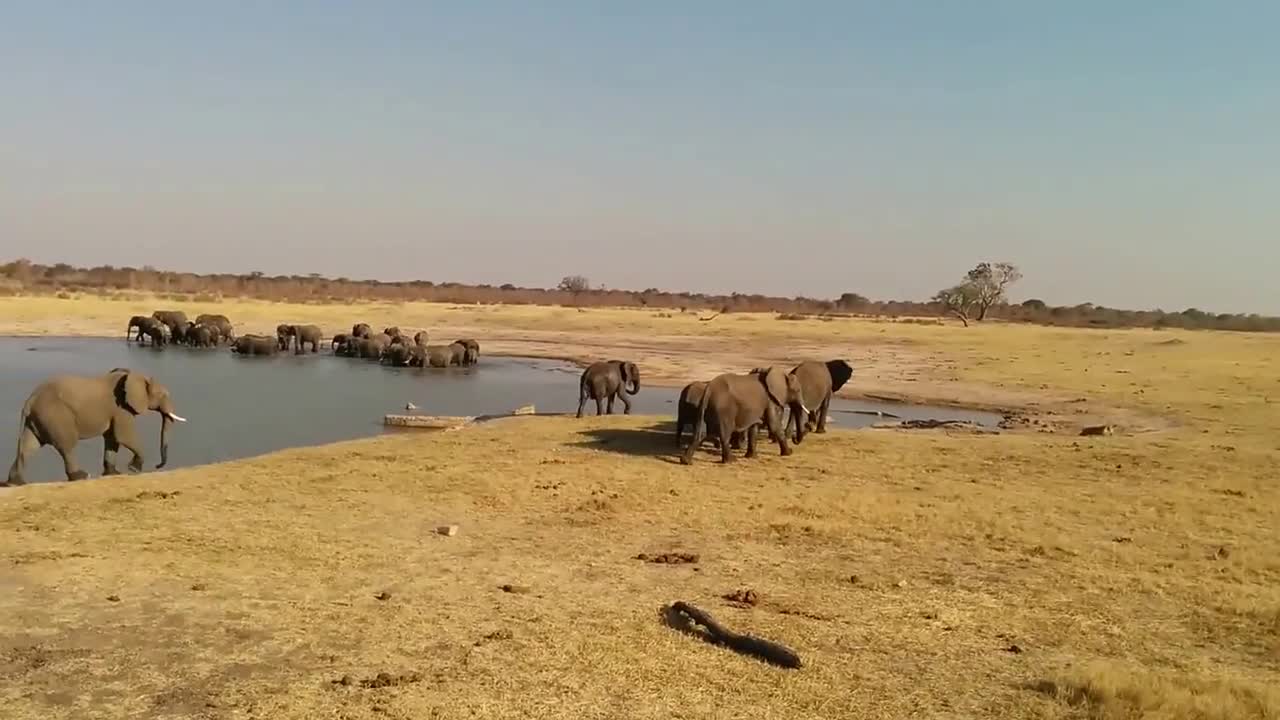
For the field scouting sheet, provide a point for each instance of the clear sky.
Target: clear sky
(1123, 153)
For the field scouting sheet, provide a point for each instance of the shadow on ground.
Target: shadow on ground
(657, 440)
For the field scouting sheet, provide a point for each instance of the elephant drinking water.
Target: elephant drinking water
(68, 408)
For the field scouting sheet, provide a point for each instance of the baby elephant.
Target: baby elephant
(740, 403)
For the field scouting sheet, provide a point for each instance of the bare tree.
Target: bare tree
(961, 300)
(989, 283)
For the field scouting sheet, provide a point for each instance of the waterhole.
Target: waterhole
(244, 406)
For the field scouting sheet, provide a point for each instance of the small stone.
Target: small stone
(113, 598)
(1013, 649)
(198, 587)
(384, 595)
(447, 530)
(854, 579)
(902, 583)
(1223, 553)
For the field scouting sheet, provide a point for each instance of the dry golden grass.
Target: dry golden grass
(1137, 575)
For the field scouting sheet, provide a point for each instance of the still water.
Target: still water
(244, 406)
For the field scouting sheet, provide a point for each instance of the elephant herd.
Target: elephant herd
(163, 327)
(390, 347)
(731, 407)
(393, 347)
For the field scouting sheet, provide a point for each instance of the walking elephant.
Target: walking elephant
(818, 382)
(300, 335)
(607, 380)
(741, 403)
(142, 323)
(687, 416)
(68, 408)
(159, 333)
(255, 345)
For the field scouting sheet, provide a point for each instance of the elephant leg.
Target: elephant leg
(822, 415)
(127, 437)
(772, 422)
(626, 404)
(599, 402)
(69, 464)
(679, 429)
(109, 448)
(28, 443)
(582, 398)
(725, 433)
(751, 441)
(610, 404)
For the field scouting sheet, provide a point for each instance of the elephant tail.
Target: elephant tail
(699, 427)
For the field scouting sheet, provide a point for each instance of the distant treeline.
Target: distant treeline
(23, 276)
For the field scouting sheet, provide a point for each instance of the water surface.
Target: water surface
(244, 406)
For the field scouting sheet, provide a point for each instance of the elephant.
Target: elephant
(392, 332)
(437, 356)
(687, 416)
(68, 408)
(179, 330)
(472, 355)
(300, 335)
(361, 330)
(223, 330)
(420, 337)
(338, 343)
(398, 354)
(170, 317)
(255, 345)
(159, 333)
(740, 403)
(818, 382)
(608, 379)
(142, 323)
(202, 336)
(371, 347)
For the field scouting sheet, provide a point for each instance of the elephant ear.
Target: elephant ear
(840, 371)
(775, 383)
(624, 370)
(133, 392)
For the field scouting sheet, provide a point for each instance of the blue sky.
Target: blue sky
(1126, 154)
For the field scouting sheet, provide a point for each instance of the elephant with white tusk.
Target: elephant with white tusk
(68, 408)
(818, 382)
(740, 403)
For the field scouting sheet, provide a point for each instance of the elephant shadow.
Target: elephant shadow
(657, 440)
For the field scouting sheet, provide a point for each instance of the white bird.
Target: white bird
(410, 407)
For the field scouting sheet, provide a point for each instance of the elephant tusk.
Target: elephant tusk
(805, 409)
(175, 417)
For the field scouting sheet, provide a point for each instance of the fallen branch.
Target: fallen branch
(684, 617)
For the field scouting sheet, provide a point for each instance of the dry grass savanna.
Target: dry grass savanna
(1034, 573)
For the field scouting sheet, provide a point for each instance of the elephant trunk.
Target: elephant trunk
(635, 384)
(167, 417)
